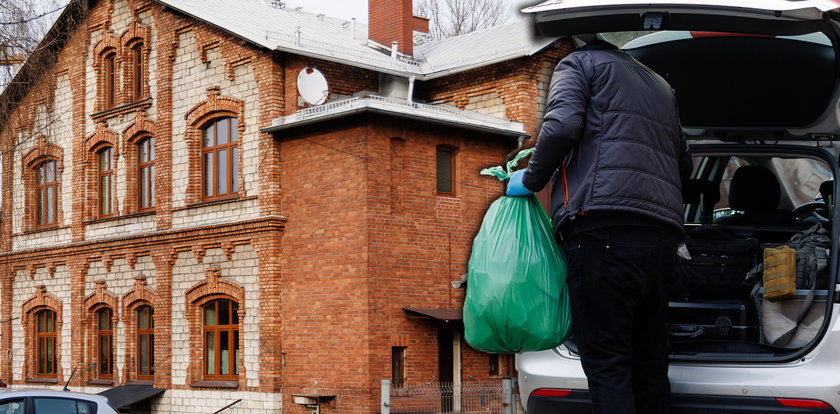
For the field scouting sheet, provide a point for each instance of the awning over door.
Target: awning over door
(126, 395)
(443, 318)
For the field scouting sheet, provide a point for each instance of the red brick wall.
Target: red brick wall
(353, 257)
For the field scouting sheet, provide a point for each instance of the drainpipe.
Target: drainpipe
(411, 80)
(394, 46)
(520, 142)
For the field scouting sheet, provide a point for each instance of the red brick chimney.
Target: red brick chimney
(394, 20)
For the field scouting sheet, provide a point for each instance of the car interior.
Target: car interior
(736, 205)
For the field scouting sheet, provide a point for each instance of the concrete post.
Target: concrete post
(385, 407)
(507, 396)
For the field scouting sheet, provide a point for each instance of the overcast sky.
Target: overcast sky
(348, 9)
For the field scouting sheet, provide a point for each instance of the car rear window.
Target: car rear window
(45, 405)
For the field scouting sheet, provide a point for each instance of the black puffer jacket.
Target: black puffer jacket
(611, 139)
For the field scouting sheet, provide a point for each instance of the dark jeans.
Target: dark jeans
(619, 278)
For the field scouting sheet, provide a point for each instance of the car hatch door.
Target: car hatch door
(771, 17)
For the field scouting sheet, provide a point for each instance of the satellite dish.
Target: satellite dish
(312, 86)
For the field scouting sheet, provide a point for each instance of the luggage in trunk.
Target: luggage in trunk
(731, 319)
(718, 266)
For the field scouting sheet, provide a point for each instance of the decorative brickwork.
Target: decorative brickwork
(96, 142)
(43, 152)
(140, 129)
(95, 302)
(215, 106)
(137, 297)
(41, 300)
(212, 288)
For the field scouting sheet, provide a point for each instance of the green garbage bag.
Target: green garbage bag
(517, 299)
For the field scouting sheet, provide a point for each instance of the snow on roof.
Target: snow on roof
(296, 31)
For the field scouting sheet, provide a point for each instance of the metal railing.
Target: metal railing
(471, 397)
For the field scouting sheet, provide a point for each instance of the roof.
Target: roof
(436, 315)
(125, 395)
(401, 108)
(319, 36)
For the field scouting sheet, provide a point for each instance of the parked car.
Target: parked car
(52, 402)
(757, 88)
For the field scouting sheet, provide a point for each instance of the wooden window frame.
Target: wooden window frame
(398, 359)
(109, 69)
(109, 174)
(44, 337)
(42, 187)
(233, 341)
(137, 73)
(149, 143)
(109, 334)
(149, 333)
(232, 149)
(452, 151)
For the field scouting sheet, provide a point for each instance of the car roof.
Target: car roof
(51, 393)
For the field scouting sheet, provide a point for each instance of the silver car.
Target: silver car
(52, 402)
(757, 83)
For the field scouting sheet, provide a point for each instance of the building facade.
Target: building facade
(175, 215)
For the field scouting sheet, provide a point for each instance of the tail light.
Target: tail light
(800, 403)
(550, 392)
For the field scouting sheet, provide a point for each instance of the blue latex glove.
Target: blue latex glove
(515, 188)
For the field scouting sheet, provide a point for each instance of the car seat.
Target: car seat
(699, 197)
(754, 193)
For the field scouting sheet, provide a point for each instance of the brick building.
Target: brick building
(177, 218)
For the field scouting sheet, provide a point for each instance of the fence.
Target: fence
(471, 397)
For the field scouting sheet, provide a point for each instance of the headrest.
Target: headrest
(754, 188)
(827, 189)
(827, 192)
(694, 188)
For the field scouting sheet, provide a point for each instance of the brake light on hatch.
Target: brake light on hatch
(800, 403)
(550, 392)
(699, 34)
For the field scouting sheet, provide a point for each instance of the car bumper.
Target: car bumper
(578, 402)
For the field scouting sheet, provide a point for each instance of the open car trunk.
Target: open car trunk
(757, 89)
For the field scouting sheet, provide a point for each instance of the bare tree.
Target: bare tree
(456, 17)
(22, 25)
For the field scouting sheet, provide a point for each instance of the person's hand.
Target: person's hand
(515, 188)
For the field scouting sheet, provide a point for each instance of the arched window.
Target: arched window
(46, 186)
(221, 340)
(220, 158)
(105, 184)
(137, 72)
(146, 173)
(110, 69)
(145, 342)
(45, 340)
(105, 349)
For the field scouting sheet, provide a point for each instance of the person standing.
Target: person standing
(612, 143)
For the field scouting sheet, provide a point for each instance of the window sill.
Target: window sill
(140, 382)
(122, 109)
(215, 202)
(41, 381)
(124, 216)
(41, 230)
(105, 382)
(215, 384)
